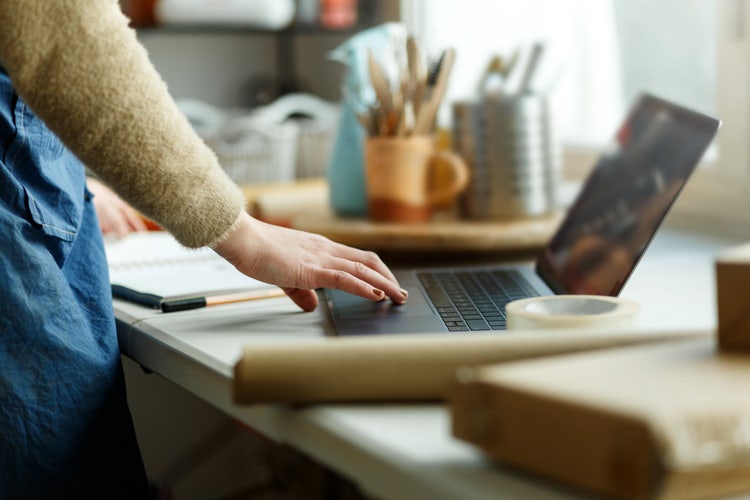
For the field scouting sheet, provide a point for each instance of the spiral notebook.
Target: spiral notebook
(153, 263)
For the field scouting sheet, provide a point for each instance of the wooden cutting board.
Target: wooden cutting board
(447, 234)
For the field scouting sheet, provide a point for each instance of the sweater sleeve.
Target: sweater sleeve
(79, 66)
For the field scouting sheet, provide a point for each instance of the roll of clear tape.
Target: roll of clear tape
(572, 311)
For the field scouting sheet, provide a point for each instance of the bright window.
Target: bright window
(693, 52)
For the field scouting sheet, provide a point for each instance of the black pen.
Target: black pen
(144, 299)
(186, 303)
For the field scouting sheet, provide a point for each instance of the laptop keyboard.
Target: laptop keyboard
(474, 300)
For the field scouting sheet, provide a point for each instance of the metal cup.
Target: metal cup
(509, 145)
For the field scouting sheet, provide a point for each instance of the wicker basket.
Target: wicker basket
(314, 146)
(254, 150)
(316, 121)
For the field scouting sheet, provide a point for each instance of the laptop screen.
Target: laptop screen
(625, 198)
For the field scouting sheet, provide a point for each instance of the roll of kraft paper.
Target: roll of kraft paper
(403, 367)
(265, 14)
(571, 311)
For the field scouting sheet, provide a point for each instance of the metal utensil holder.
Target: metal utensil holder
(509, 144)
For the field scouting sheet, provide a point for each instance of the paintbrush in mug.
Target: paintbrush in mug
(437, 85)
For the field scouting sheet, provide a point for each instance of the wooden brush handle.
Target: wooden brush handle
(428, 111)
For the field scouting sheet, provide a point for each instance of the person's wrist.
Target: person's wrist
(233, 245)
(227, 245)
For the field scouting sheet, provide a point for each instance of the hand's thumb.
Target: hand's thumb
(307, 300)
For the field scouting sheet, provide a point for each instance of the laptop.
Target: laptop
(595, 249)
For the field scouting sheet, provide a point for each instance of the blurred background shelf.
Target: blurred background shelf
(292, 58)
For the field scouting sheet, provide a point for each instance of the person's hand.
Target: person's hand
(300, 262)
(115, 216)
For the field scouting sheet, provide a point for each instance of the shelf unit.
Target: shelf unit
(284, 40)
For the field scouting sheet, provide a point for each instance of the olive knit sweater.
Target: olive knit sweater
(79, 66)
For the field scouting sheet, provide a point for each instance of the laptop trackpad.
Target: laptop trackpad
(354, 315)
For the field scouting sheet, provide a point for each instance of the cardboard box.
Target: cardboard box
(733, 298)
(654, 421)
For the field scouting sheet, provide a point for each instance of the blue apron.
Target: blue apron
(65, 428)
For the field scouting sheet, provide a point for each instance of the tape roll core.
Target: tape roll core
(571, 311)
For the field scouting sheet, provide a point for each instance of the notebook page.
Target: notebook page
(154, 262)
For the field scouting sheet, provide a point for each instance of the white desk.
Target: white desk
(390, 451)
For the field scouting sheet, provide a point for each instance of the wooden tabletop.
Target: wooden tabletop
(441, 234)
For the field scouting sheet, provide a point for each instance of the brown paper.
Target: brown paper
(399, 368)
(282, 203)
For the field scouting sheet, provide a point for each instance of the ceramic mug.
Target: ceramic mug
(406, 177)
